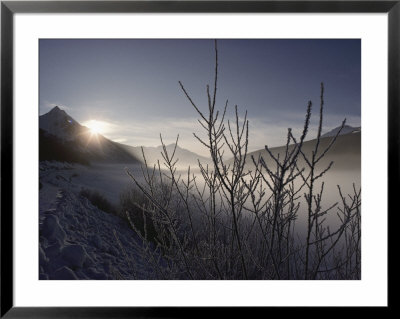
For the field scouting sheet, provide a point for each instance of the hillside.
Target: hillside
(77, 240)
(345, 153)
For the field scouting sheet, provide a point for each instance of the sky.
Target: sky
(129, 90)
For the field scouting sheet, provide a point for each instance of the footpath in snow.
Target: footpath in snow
(79, 241)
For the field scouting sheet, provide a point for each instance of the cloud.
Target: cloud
(147, 132)
(271, 131)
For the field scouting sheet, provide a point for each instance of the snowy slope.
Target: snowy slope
(78, 240)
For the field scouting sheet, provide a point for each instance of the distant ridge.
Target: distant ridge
(184, 156)
(345, 152)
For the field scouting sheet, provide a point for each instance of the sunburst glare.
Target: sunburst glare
(96, 127)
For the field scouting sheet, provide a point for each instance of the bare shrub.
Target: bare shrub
(134, 203)
(238, 218)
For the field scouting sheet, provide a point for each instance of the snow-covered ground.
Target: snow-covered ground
(78, 240)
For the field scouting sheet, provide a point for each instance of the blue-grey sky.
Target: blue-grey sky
(130, 86)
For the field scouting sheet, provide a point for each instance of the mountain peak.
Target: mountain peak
(345, 130)
(56, 109)
(58, 123)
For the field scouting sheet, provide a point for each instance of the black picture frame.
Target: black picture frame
(9, 8)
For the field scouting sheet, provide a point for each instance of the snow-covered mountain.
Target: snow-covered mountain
(58, 123)
(62, 138)
(346, 130)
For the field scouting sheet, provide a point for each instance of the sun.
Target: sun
(96, 127)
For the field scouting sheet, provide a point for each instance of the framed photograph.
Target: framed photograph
(161, 158)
